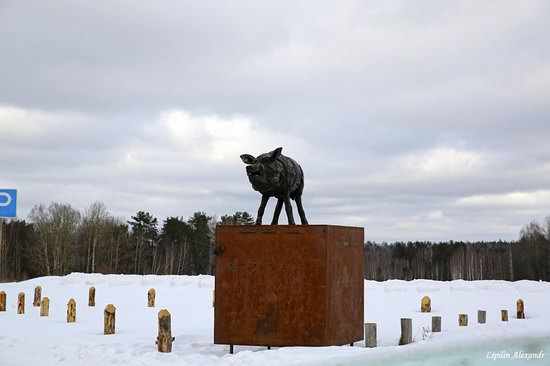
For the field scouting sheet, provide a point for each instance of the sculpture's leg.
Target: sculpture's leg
(288, 209)
(301, 211)
(261, 209)
(277, 212)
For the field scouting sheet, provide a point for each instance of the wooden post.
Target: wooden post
(463, 320)
(481, 316)
(45, 307)
(71, 311)
(109, 319)
(426, 305)
(37, 296)
(520, 309)
(91, 296)
(2, 301)
(436, 324)
(406, 331)
(213, 298)
(21, 303)
(151, 298)
(165, 339)
(370, 335)
(504, 315)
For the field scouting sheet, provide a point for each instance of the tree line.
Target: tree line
(59, 239)
(526, 258)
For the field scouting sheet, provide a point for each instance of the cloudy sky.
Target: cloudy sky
(419, 120)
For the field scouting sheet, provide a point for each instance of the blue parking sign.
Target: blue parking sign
(8, 199)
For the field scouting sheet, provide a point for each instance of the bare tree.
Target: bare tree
(116, 241)
(93, 227)
(54, 240)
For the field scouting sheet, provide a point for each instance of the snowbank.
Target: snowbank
(29, 339)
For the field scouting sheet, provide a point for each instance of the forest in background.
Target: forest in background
(59, 239)
(528, 258)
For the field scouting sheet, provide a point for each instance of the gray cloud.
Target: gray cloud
(418, 120)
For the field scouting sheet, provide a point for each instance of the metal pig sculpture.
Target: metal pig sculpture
(275, 175)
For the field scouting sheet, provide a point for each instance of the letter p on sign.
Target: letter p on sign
(8, 200)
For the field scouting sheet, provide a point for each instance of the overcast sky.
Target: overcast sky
(418, 120)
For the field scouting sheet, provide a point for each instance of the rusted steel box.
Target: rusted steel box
(282, 285)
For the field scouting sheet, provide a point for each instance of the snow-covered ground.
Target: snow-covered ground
(33, 340)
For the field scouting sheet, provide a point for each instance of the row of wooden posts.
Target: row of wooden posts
(164, 338)
(425, 307)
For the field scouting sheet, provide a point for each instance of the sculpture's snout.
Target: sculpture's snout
(254, 169)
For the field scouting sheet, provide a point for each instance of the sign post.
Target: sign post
(8, 203)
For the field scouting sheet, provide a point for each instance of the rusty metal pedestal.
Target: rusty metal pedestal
(281, 285)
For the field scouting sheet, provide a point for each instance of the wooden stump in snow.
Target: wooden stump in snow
(2, 301)
(481, 316)
(71, 311)
(406, 331)
(91, 296)
(37, 296)
(21, 303)
(370, 335)
(426, 305)
(436, 324)
(504, 315)
(45, 307)
(463, 320)
(151, 298)
(109, 319)
(520, 309)
(165, 339)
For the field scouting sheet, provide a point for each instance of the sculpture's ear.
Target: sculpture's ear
(248, 159)
(275, 153)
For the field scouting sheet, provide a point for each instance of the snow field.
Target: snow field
(31, 339)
